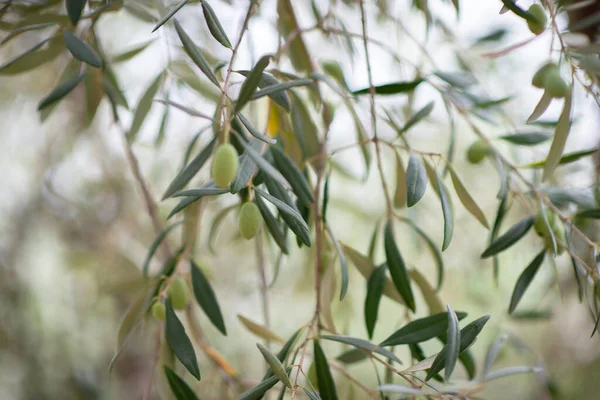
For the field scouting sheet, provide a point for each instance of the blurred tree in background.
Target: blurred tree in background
(245, 199)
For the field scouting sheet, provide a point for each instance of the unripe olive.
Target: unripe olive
(225, 165)
(477, 152)
(178, 293)
(559, 234)
(538, 78)
(539, 25)
(540, 226)
(249, 220)
(554, 84)
(158, 311)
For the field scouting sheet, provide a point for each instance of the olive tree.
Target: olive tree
(264, 140)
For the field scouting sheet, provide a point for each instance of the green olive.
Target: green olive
(158, 311)
(225, 165)
(539, 25)
(540, 225)
(178, 293)
(250, 220)
(555, 85)
(477, 152)
(538, 78)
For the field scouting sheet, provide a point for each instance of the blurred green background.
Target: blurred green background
(74, 231)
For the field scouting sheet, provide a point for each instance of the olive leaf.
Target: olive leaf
(196, 54)
(205, 296)
(421, 330)
(180, 389)
(169, 15)
(179, 341)
(416, 180)
(324, 378)
(154, 246)
(81, 50)
(397, 267)
(525, 280)
(74, 9)
(465, 198)
(509, 238)
(375, 286)
(391, 88)
(560, 138)
(251, 83)
(260, 330)
(214, 25)
(275, 364)
(447, 212)
(60, 91)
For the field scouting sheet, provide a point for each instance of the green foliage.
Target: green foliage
(269, 137)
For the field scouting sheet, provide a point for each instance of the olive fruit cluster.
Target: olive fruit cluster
(178, 294)
(477, 151)
(556, 226)
(548, 78)
(541, 20)
(249, 220)
(225, 165)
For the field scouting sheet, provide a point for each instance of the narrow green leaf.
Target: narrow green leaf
(179, 341)
(258, 391)
(187, 110)
(418, 117)
(266, 80)
(465, 198)
(275, 364)
(392, 88)
(180, 389)
(60, 91)
(293, 175)
(453, 344)
(263, 164)
(326, 196)
(202, 191)
(396, 388)
(375, 286)
(435, 251)
(130, 321)
(246, 169)
(190, 170)
(296, 224)
(74, 9)
(421, 330)
(169, 15)
(272, 225)
(260, 330)
(593, 214)
(205, 296)
(143, 107)
(460, 80)
(280, 87)
(324, 378)
(447, 212)
(129, 54)
(364, 265)
(525, 279)
(195, 54)
(255, 132)
(362, 345)
(214, 26)
(400, 196)
(416, 180)
(154, 246)
(431, 297)
(565, 159)
(560, 138)
(397, 267)
(516, 232)
(512, 6)
(33, 57)
(343, 264)
(81, 50)
(251, 83)
(527, 139)
(468, 334)
(28, 28)
(540, 108)
(493, 352)
(284, 352)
